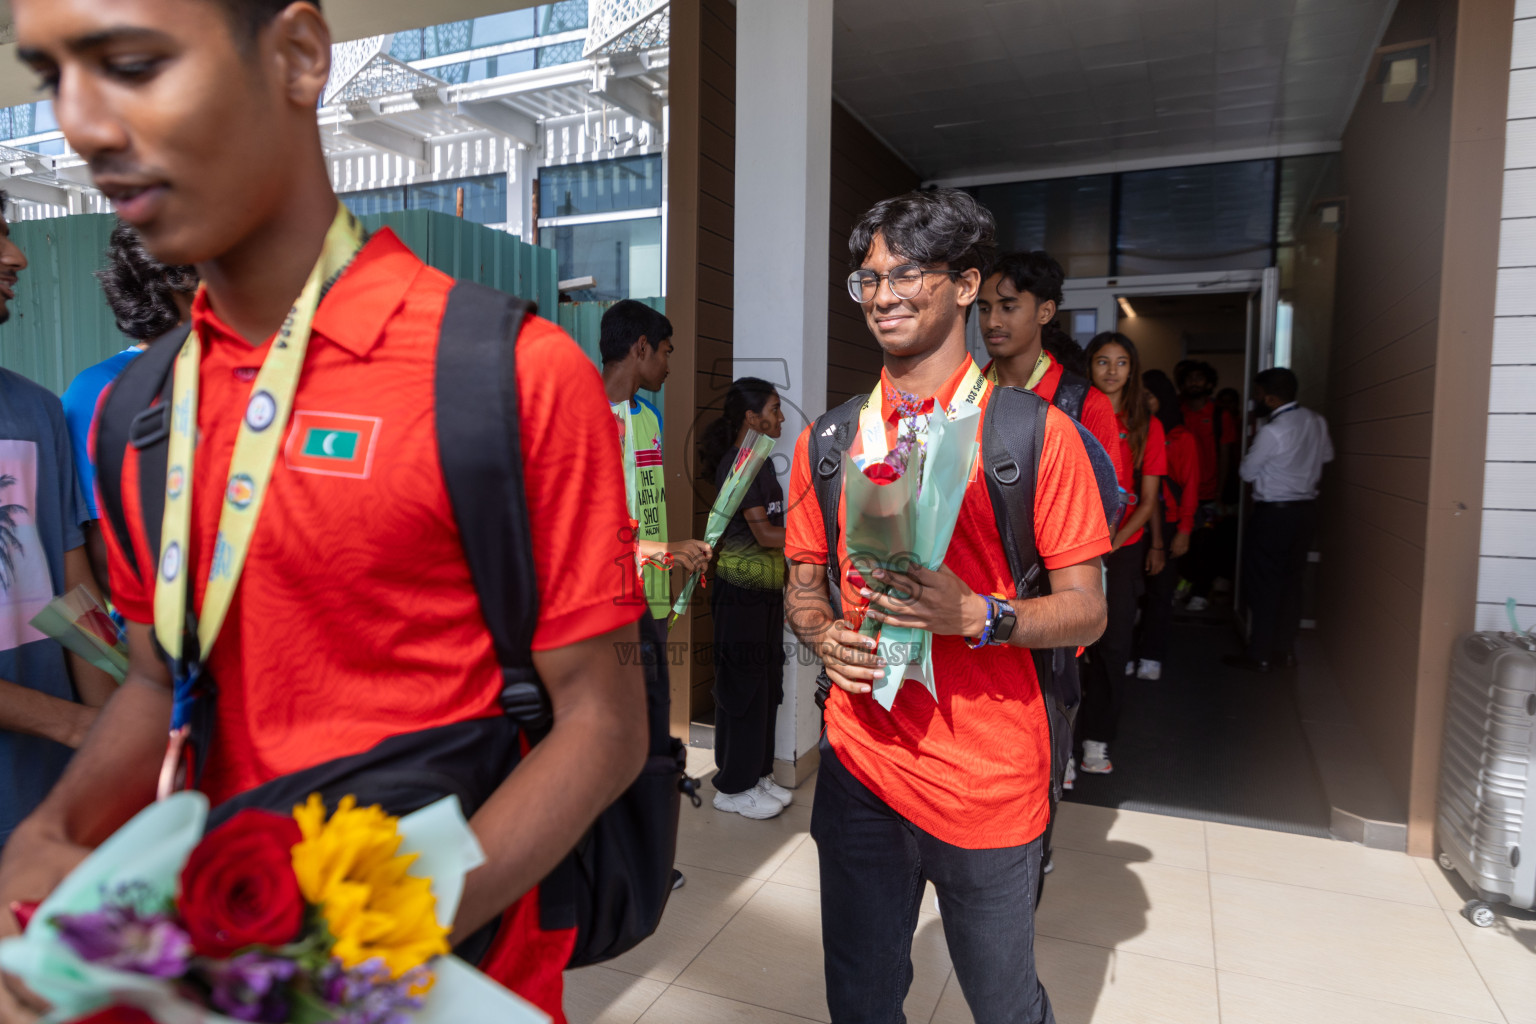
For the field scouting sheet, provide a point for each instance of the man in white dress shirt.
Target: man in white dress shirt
(1284, 465)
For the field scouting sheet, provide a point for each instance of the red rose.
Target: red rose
(117, 1015)
(881, 473)
(238, 888)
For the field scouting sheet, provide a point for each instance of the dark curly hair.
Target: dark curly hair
(932, 228)
(140, 289)
(250, 16)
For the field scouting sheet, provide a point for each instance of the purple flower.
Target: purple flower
(121, 936)
(250, 986)
(368, 995)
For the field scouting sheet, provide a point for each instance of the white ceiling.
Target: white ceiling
(965, 89)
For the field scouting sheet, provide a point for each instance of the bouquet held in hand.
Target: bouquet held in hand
(902, 502)
(301, 918)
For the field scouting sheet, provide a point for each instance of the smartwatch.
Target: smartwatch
(1003, 622)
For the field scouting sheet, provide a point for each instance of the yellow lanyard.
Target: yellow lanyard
(1042, 365)
(256, 446)
(872, 416)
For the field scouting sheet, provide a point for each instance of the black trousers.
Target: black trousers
(873, 866)
(1157, 608)
(1201, 565)
(749, 682)
(1279, 538)
(1104, 669)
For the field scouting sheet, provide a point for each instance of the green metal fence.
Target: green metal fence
(60, 324)
(583, 321)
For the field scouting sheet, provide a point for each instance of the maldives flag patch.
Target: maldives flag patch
(331, 444)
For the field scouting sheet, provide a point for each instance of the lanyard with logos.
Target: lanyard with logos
(256, 446)
(872, 420)
(1042, 366)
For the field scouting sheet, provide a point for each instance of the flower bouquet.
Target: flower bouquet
(302, 918)
(83, 627)
(755, 449)
(901, 511)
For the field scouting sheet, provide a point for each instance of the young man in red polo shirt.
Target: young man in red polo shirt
(955, 793)
(1020, 296)
(355, 618)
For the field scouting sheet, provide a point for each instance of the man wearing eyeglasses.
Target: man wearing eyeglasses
(955, 792)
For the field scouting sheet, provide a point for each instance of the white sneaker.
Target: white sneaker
(1096, 758)
(753, 803)
(1198, 604)
(776, 791)
(1149, 669)
(1070, 779)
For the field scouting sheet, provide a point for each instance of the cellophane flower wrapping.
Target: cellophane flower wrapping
(145, 858)
(909, 521)
(84, 628)
(754, 451)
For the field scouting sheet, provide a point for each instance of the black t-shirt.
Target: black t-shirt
(743, 561)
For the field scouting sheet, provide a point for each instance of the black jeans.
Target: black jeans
(1104, 668)
(874, 864)
(1278, 541)
(749, 682)
(1157, 608)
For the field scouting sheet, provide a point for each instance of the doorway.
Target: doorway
(1205, 740)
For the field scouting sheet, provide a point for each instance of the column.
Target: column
(783, 198)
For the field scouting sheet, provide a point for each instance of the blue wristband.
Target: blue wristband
(986, 631)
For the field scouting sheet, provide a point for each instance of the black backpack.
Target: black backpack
(1013, 436)
(614, 886)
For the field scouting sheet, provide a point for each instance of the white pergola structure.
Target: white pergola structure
(386, 122)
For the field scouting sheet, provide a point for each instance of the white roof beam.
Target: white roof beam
(36, 191)
(390, 139)
(501, 119)
(628, 95)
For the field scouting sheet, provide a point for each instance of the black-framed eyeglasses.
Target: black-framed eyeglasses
(906, 281)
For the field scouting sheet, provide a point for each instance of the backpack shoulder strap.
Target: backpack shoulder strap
(831, 436)
(1071, 393)
(1104, 475)
(130, 416)
(1012, 439)
(480, 450)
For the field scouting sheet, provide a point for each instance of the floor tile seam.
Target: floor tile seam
(755, 878)
(653, 1001)
(1332, 892)
(1210, 890)
(1057, 844)
(1450, 923)
(718, 932)
(943, 990)
(748, 1002)
(1134, 952)
(1127, 860)
(715, 935)
(1365, 998)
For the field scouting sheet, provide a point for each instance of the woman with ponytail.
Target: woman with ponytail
(1115, 368)
(747, 601)
(1181, 499)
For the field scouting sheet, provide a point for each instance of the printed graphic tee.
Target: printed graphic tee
(40, 516)
(743, 561)
(647, 492)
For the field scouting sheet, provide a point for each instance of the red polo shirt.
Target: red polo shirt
(1204, 423)
(1183, 457)
(974, 772)
(356, 618)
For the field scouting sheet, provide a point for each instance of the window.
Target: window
(560, 53)
(485, 67)
(565, 16)
(1211, 217)
(16, 122)
(603, 186)
(493, 30)
(485, 198)
(1067, 217)
(624, 257)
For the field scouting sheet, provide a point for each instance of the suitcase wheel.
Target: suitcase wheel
(1446, 862)
(1479, 913)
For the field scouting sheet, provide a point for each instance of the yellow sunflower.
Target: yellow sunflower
(348, 867)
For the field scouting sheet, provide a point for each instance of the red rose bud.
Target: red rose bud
(881, 473)
(117, 1015)
(238, 888)
(23, 913)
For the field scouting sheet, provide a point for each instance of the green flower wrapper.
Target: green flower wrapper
(754, 451)
(910, 522)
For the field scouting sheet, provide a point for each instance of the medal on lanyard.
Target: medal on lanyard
(186, 637)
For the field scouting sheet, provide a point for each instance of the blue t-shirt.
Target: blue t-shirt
(40, 516)
(80, 410)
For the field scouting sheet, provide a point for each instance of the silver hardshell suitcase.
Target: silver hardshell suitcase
(1486, 826)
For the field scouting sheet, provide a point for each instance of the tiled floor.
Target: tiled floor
(1146, 919)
